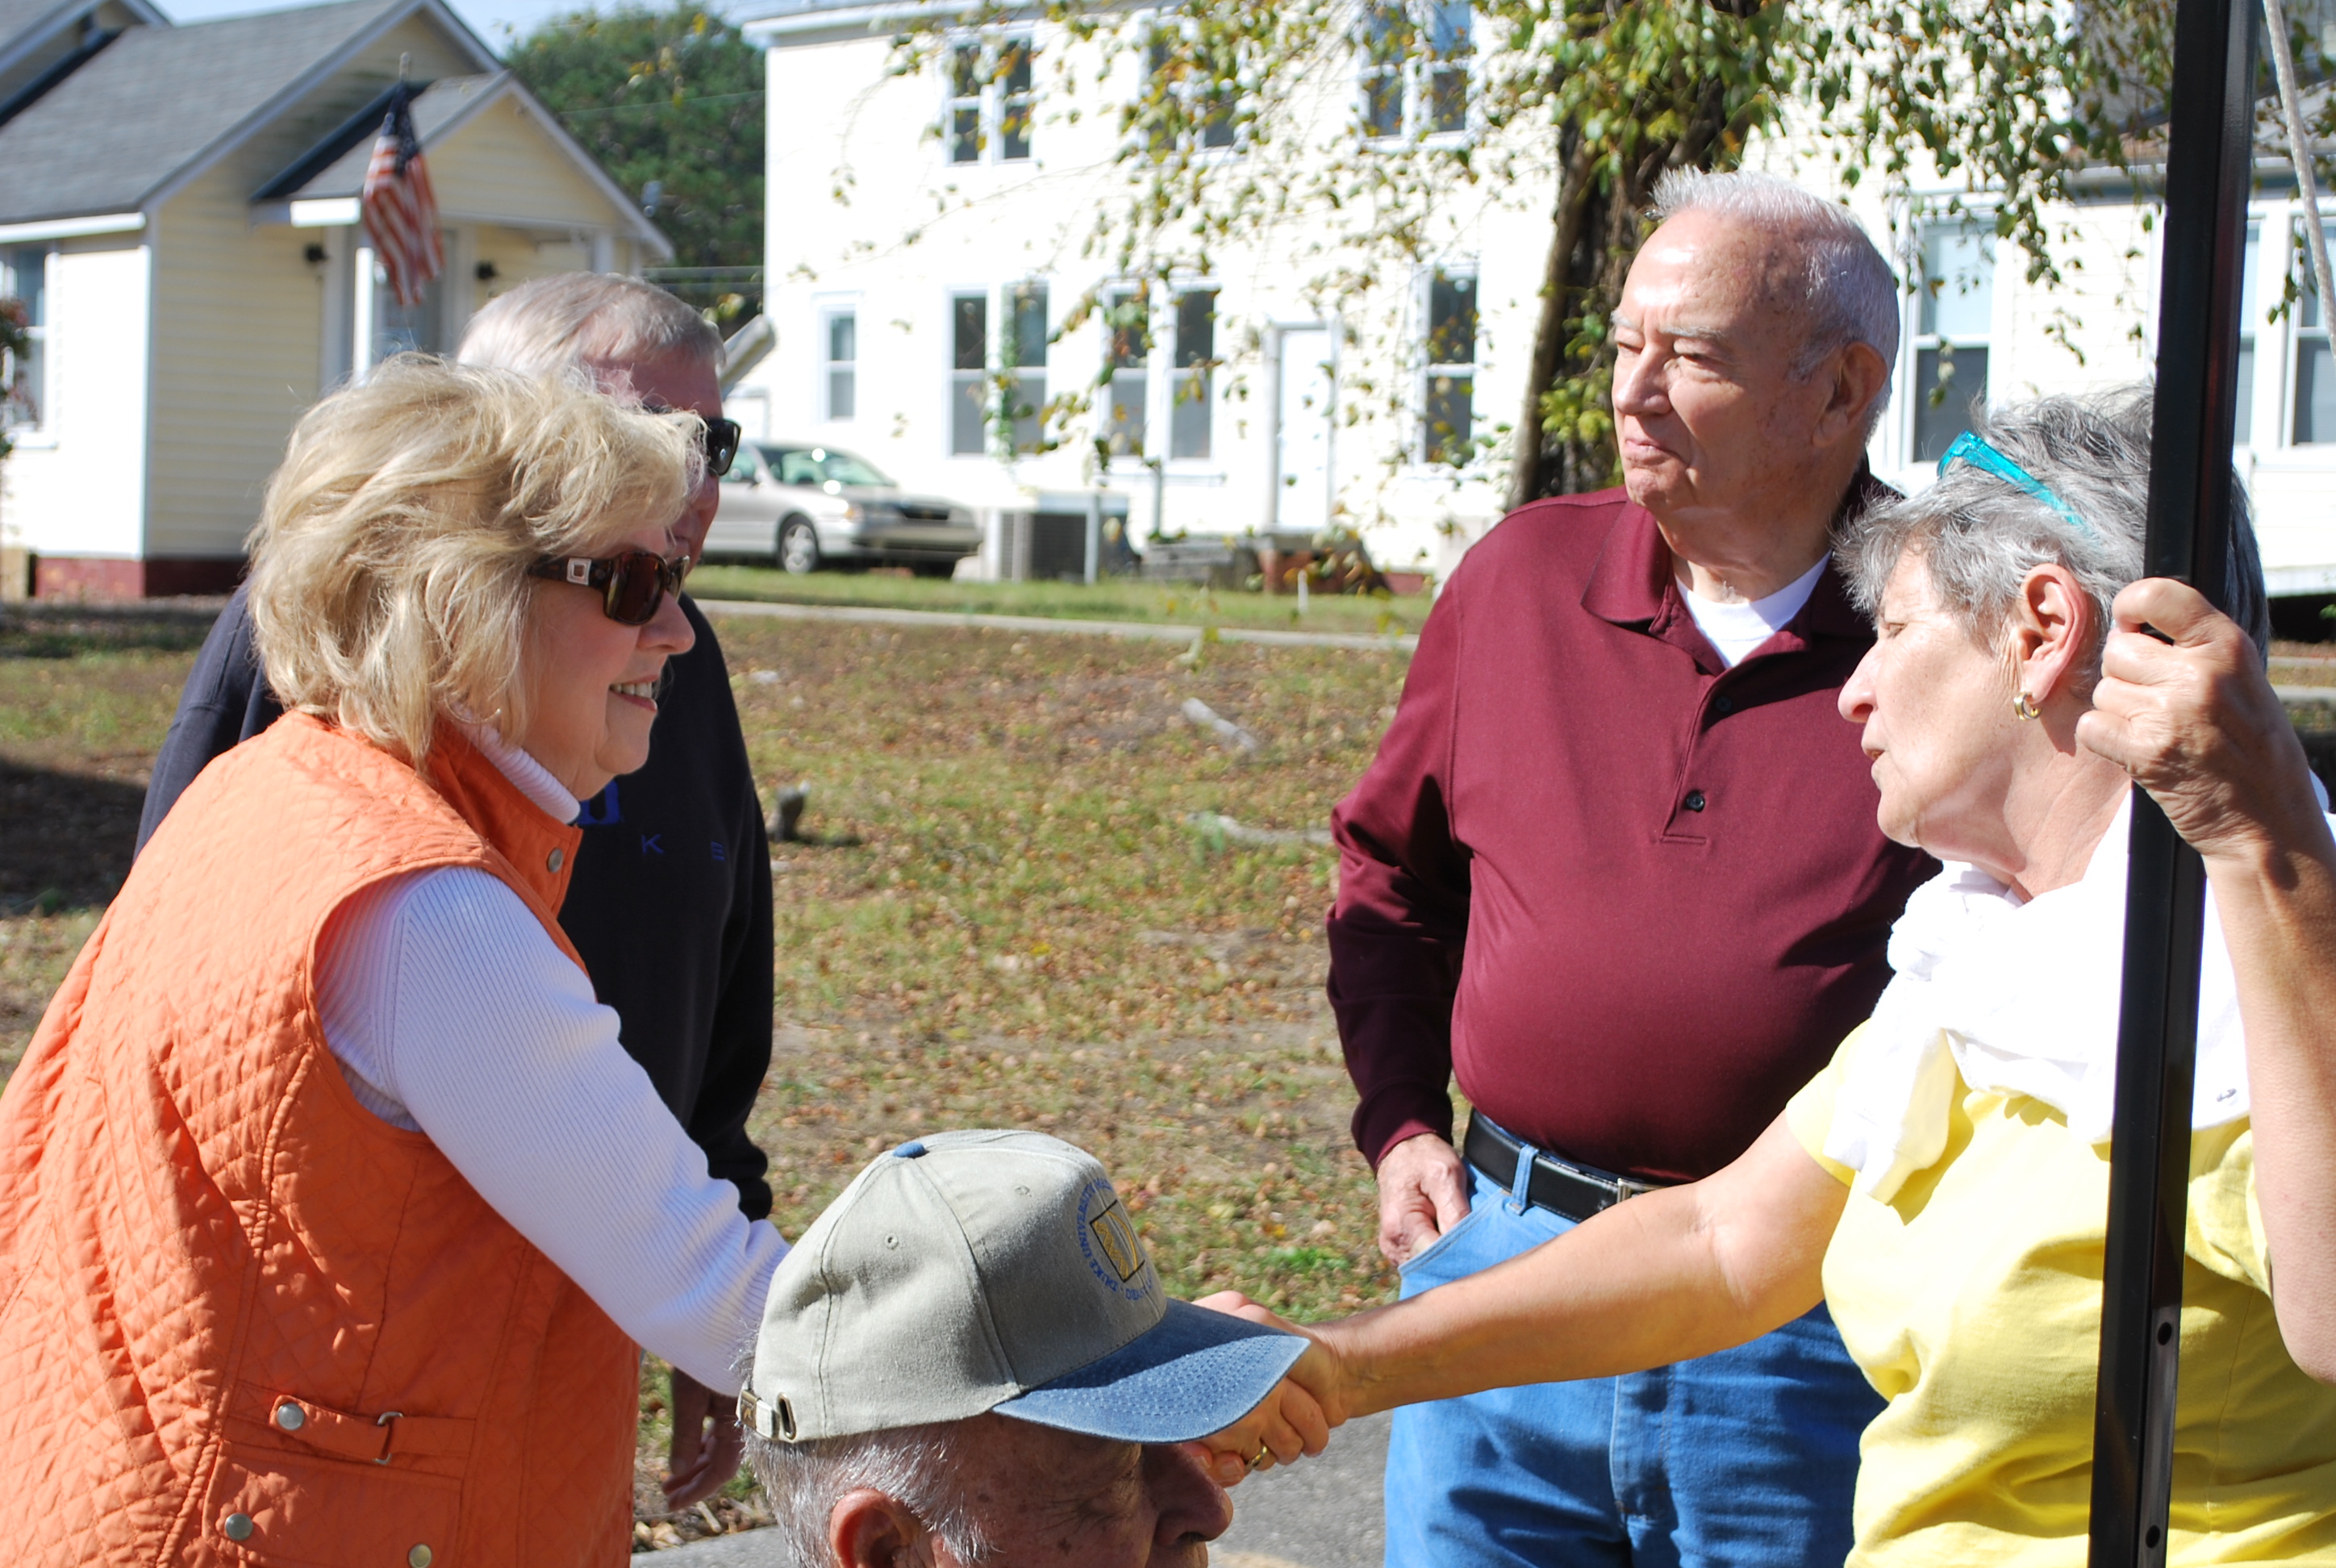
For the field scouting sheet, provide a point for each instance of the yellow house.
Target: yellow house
(179, 213)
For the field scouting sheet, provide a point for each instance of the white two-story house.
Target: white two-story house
(935, 283)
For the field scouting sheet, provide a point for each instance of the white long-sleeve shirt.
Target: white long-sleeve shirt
(452, 1011)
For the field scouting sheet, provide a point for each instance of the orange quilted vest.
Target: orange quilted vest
(242, 1320)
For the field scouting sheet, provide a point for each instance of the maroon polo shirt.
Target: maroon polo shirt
(1633, 898)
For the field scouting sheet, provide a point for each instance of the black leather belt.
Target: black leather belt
(1560, 1186)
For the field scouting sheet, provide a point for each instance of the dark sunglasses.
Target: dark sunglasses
(632, 586)
(720, 439)
(717, 438)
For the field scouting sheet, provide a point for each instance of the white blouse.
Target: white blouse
(452, 1012)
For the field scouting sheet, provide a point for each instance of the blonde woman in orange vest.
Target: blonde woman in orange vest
(331, 1209)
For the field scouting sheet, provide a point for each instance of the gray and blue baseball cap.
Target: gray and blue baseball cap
(973, 1271)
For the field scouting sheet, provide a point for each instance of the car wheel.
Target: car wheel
(933, 567)
(798, 546)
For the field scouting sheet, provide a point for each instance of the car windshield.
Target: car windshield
(820, 466)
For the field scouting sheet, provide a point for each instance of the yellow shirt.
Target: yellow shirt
(1973, 1301)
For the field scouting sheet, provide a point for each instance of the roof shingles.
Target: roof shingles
(154, 100)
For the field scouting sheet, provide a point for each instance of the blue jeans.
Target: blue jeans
(1745, 1459)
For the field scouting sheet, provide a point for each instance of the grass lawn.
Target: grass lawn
(1002, 915)
(1114, 598)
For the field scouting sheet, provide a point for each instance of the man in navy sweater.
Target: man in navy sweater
(670, 901)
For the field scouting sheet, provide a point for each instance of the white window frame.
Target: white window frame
(1915, 342)
(1006, 328)
(1175, 377)
(1417, 69)
(1423, 448)
(1164, 379)
(993, 103)
(998, 303)
(42, 415)
(1109, 403)
(1192, 89)
(2298, 263)
(830, 312)
(963, 375)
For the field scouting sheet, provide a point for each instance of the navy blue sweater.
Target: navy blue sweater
(669, 903)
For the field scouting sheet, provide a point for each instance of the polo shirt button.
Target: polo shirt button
(554, 858)
(1723, 704)
(1695, 800)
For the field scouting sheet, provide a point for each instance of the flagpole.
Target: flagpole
(2208, 166)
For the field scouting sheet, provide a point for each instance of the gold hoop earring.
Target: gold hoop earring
(2021, 709)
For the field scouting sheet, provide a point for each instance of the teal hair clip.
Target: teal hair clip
(1970, 448)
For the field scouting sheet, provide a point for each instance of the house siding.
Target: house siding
(77, 486)
(864, 209)
(181, 357)
(497, 168)
(237, 322)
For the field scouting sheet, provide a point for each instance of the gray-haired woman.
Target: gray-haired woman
(1942, 1186)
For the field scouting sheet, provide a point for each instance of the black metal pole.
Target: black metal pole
(2208, 165)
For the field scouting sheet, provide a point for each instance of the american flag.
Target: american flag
(400, 215)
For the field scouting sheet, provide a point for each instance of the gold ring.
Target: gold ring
(1264, 1452)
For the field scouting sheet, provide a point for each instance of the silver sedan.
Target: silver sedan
(801, 508)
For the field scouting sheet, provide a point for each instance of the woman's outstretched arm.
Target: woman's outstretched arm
(1676, 1273)
(2197, 724)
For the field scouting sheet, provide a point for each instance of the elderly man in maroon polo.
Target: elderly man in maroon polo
(1616, 866)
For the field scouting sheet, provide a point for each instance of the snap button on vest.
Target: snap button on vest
(237, 1527)
(290, 1416)
(552, 861)
(419, 1557)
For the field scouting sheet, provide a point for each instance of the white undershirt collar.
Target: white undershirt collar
(529, 776)
(1734, 629)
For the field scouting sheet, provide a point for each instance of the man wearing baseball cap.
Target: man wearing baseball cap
(969, 1359)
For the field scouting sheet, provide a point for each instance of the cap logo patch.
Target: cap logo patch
(1108, 1242)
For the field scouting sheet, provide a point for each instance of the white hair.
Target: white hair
(915, 1467)
(1980, 535)
(1848, 290)
(552, 325)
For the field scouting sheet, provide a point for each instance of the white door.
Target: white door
(1308, 391)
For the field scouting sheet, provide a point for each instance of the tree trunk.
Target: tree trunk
(1573, 190)
(1595, 230)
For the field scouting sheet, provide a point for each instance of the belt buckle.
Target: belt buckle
(1620, 1187)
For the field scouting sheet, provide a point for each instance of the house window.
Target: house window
(1416, 56)
(2315, 363)
(1025, 365)
(2315, 61)
(1127, 360)
(842, 348)
(964, 108)
(992, 99)
(1182, 78)
(1190, 377)
(969, 374)
(1955, 305)
(24, 374)
(1018, 100)
(1448, 407)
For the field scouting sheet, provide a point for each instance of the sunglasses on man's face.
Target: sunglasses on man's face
(717, 438)
(720, 439)
(632, 586)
